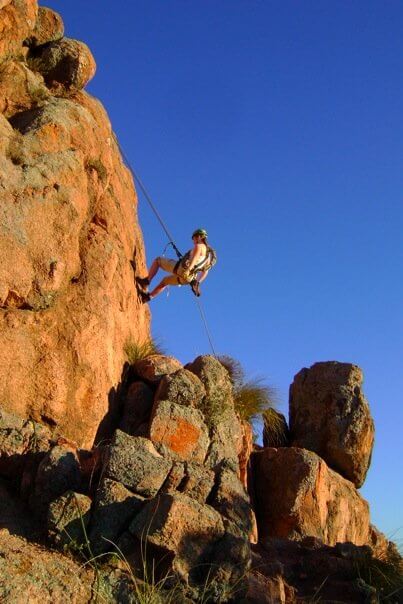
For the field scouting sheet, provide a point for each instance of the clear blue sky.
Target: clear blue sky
(276, 125)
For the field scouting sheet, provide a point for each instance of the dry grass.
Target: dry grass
(251, 397)
(136, 351)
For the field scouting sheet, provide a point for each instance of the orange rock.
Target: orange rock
(68, 298)
(66, 64)
(17, 20)
(20, 88)
(245, 451)
(155, 367)
(180, 428)
(297, 495)
(48, 28)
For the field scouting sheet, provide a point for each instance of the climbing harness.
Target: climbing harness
(207, 262)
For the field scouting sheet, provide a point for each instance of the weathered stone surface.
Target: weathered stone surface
(215, 377)
(137, 407)
(114, 507)
(134, 461)
(297, 495)
(49, 27)
(182, 387)
(155, 366)
(58, 472)
(174, 478)
(180, 428)
(226, 439)
(198, 482)
(232, 501)
(275, 429)
(181, 526)
(17, 20)
(67, 234)
(66, 64)
(19, 439)
(20, 88)
(29, 573)
(68, 519)
(330, 416)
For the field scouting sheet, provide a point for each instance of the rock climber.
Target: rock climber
(191, 269)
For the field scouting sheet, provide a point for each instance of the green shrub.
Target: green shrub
(136, 351)
(385, 574)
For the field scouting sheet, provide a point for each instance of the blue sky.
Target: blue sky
(277, 127)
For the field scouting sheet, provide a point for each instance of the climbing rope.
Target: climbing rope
(148, 198)
(203, 316)
(171, 242)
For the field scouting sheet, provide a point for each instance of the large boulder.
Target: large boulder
(297, 495)
(66, 64)
(135, 462)
(330, 416)
(181, 526)
(181, 429)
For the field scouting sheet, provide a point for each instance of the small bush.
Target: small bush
(275, 429)
(251, 397)
(136, 351)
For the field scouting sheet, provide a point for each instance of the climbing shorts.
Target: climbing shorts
(168, 265)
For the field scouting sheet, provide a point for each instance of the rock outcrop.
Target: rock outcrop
(297, 495)
(68, 231)
(330, 416)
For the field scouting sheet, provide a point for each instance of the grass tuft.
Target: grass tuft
(137, 351)
(251, 397)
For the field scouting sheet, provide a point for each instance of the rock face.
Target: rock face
(330, 416)
(68, 231)
(312, 500)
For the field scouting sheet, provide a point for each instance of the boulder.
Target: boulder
(134, 461)
(58, 472)
(231, 500)
(182, 387)
(66, 65)
(198, 481)
(226, 440)
(217, 383)
(137, 407)
(49, 27)
(297, 495)
(20, 88)
(68, 519)
(181, 526)
(153, 368)
(275, 429)
(17, 20)
(20, 441)
(330, 416)
(114, 508)
(181, 429)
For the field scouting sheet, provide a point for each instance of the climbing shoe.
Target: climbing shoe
(144, 297)
(195, 285)
(143, 282)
